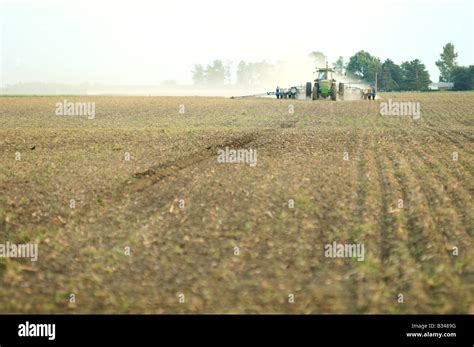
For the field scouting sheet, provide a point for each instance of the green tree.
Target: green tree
(243, 74)
(216, 73)
(199, 76)
(390, 77)
(414, 76)
(249, 74)
(446, 63)
(364, 65)
(339, 65)
(463, 77)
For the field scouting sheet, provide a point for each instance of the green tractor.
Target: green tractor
(325, 85)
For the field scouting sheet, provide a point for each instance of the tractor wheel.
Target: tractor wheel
(333, 91)
(341, 90)
(316, 91)
(308, 90)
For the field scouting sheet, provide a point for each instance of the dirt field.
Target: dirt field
(409, 250)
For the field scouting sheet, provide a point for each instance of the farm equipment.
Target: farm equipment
(281, 93)
(325, 85)
(288, 93)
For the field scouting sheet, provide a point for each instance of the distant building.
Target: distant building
(441, 86)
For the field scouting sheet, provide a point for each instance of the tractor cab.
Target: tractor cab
(324, 74)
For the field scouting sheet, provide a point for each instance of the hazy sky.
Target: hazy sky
(142, 41)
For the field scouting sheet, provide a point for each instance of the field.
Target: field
(181, 214)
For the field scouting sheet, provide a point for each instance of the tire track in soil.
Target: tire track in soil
(140, 181)
(345, 273)
(353, 281)
(179, 267)
(386, 220)
(157, 173)
(135, 205)
(372, 286)
(350, 280)
(255, 255)
(396, 264)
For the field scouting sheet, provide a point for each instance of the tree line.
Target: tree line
(409, 75)
(219, 73)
